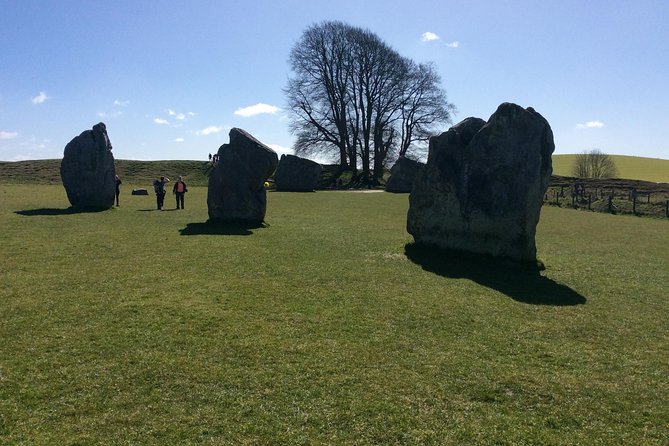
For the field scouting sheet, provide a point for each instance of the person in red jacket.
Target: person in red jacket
(179, 190)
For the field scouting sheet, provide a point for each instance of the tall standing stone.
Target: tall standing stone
(403, 174)
(87, 169)
(237, 183)
(297, 174)
(483, 185)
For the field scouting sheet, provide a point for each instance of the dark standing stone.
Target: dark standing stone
(483, 185)
(237, 184)
(403, 174)
(297, 174)
(87, 169)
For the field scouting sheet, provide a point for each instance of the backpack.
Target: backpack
(156, 186)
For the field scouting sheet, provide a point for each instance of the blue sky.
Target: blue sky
(171, 78)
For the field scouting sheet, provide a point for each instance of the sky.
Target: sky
(171, 78)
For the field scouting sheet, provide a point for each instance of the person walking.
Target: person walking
(159, 189)
(179, 190)
(117, 182)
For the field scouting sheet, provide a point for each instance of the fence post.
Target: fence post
(634, 204)
(610, 203)
(666, 209)
(590, 202)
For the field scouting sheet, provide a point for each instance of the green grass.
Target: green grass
(134, 326)
(629, 167)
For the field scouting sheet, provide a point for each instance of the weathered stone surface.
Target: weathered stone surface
(87, 169)
(403, 174)
(482, 188)
(237, 183)
(140, 191)
(297, 174)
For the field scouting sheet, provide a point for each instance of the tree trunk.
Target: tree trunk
(343, 159)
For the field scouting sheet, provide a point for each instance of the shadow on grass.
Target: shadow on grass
(522, 282)
(157, 210)
(58, 211)
(221, 228)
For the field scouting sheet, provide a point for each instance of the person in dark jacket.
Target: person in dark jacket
(117, 182)
(159, 189)
(179, 190)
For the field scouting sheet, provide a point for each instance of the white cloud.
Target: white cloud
(191, 114)
(8, 135)
(121, 103)
(21, 157)
(109, 115)
(40, 98)
(428, 37)
(455, 44)
(590, 125)
(179, 116)
(32, 144)
(209, 130)
(280, 150)
(179, 140)
(160, 121)
(257, 109)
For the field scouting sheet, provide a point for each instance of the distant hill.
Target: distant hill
(629, 167)
(132, 173)
(142, 173)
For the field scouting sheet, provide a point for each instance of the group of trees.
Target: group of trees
(357, 100)
(594, 164)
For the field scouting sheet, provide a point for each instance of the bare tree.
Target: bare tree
(317, 94)
(376, 93)
(425, 106)
(594, 164)
(354, 96)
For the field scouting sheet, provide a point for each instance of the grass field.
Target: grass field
(629, 167)
(135, 326)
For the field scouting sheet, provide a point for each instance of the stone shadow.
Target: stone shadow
(59, 211)
(157, 210)
(522, 282)
(221, 228)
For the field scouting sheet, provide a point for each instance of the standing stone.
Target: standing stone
(403, 174)
(297, 174)
(87, 169)
(483, 185)
(236, 190)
